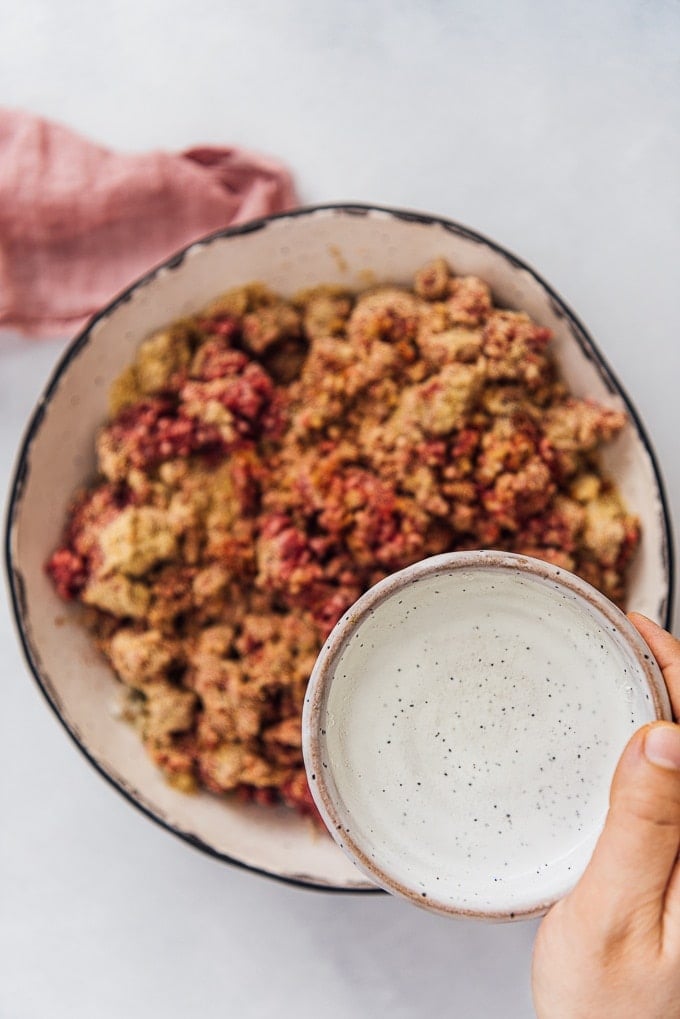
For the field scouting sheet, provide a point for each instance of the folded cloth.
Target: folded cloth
(78, 222)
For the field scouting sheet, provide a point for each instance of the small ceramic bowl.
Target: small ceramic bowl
(350, 245)
(462, 725)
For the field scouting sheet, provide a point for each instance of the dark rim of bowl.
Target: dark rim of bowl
(560, 308)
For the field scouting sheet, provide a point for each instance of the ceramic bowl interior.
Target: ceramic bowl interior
(358, 682)
(350, 245)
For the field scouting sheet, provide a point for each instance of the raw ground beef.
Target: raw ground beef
(268, 460)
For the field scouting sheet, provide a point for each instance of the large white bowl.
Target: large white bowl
(351, 245)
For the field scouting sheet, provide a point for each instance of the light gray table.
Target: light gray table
(553, 130)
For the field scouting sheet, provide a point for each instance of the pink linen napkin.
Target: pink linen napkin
(78, 222)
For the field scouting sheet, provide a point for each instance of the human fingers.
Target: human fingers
(666, 650)
(635, 857)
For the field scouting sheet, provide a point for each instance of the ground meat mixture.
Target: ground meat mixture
(269, 460)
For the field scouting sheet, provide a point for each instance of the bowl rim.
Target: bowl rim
(73, 348)
(321, 772)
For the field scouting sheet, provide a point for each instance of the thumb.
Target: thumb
(638, 849)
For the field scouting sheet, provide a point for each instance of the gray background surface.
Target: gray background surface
(552, 128)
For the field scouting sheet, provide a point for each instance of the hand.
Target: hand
(611, 948)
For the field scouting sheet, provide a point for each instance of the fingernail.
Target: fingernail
(662, 746)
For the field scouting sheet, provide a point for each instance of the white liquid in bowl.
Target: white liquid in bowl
(469, 737)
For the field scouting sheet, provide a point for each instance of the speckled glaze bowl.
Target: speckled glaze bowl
(350, 245)
(462, 726)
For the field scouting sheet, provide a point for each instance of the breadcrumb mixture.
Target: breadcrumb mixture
(268, 460)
